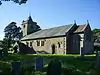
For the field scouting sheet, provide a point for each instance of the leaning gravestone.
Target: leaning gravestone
(39, 63)
(16, 67)
(54, 67)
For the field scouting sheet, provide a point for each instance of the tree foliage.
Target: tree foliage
(96, 34)
(12, 31)
(15, 1)
(96, 31)
(6, 43)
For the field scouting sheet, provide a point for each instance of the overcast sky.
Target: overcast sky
(51, 13)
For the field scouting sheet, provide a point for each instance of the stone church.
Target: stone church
(64, 39)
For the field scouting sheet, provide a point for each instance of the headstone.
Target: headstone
(97, 65)
(54, 67)
(16, 67)
(27, 62)
(5, 54)
(82, 52)
(39, 63)
(0, 53)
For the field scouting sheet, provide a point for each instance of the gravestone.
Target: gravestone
(5, 54)
(39, 63)
(97, 65)
(27, 63)
(54, 67)
(82, 53)
(0, 53)
(16, 67)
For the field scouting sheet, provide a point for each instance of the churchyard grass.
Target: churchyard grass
(69, 62)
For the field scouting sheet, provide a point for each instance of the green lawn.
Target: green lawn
(71, 64)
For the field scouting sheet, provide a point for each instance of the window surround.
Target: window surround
(42, 43)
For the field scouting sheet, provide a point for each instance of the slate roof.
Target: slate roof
(56, 31)
(80, 28)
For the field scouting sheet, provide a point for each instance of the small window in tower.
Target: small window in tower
(38, 43)
(42, 43)
(58, 45)
(23, 26)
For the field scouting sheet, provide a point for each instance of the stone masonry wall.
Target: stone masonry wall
(59, 42)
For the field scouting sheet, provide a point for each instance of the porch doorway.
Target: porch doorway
(53, 49)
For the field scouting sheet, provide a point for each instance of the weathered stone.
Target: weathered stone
(16, 67)
(97, 65)
(54, 67)
(65, 43)
(5, 54)
(39, 63)
(0, 53)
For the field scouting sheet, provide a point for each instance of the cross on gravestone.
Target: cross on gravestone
(16, 67)
(39, 63)
(54, 67)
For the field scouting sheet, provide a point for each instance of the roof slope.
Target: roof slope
(56, 31)
(80, 28)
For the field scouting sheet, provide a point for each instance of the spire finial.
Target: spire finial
(74, 21)
(29, 18)
(29, 13)
(87, 22)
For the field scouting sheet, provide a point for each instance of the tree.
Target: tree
(12, 32)
(96, 31)
(6, 43)
(96, 34)
(15, 1)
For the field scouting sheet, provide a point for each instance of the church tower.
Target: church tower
(29, 26)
